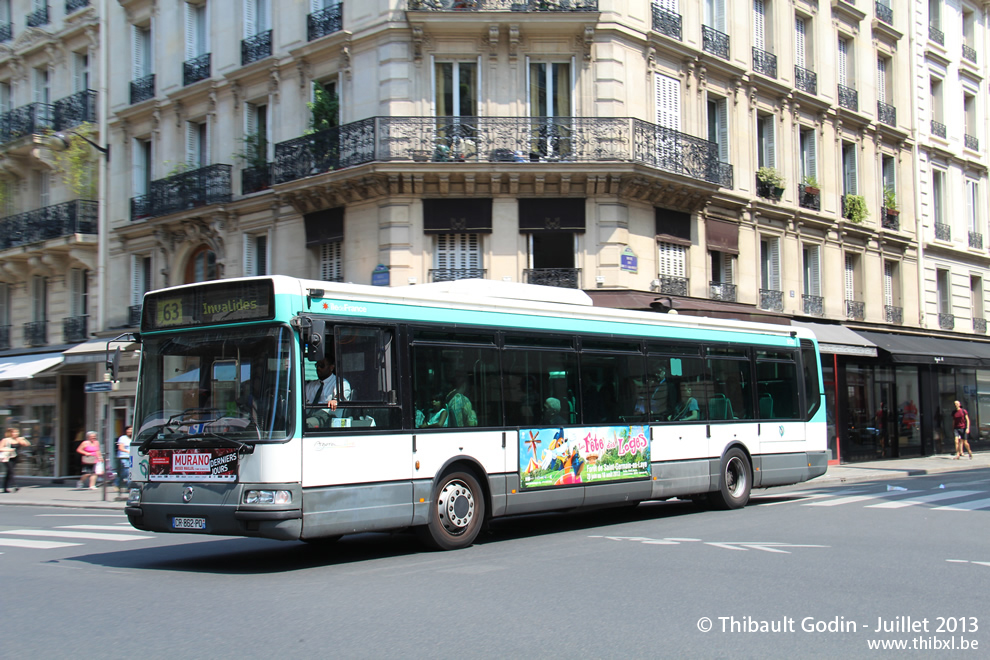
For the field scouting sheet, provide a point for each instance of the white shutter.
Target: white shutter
(672, 260)
(720, 15)
(250, 119)
(77, 292)
(79, 72)
(189, 16)
(972, 206)
(811, 154)
(668, 102)
(250, 247)
(881, 79)
(774, 264)
(137, 53)
(850, 278)
(849, 169)
(728, 276)
(843, 57)
(799, 30)
(759, 25)
(814, 272)
(139, 167)
(722, 111)
(137, 279)
(331, 262)
(44, 189)
(250, 18)
(888, 283)
(669, 5)
(769, 143)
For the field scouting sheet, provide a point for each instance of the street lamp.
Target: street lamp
(60, 142)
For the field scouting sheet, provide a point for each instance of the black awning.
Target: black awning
(673, 226)
(561, 214)
(457, 216)
(324, 227)
(915, 349)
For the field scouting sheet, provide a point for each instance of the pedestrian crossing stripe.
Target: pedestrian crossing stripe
(68, 534)
(37, 545)
(853, 498)
(924, 499)
(965, 506)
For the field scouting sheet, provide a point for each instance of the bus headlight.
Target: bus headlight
(134, 497)
(268, 497)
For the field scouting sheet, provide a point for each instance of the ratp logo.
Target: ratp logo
(780, 430)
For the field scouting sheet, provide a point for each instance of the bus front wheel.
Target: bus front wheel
(456, 514)
(734, 481)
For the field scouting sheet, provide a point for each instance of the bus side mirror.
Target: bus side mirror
(316, 346)
(113, 364)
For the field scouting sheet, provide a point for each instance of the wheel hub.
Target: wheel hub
(456, 506)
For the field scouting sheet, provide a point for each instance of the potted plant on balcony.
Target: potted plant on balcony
(772, 181)
(854, 208)
(890, 201)
(811, 186)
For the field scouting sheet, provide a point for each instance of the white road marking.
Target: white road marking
(95, 536)
(38, 545)
(112, 528)
(854, 498)
(941, 495)
(965, 506)
(78, 515)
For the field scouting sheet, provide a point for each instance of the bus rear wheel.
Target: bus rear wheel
(734, 481)
(456, 513)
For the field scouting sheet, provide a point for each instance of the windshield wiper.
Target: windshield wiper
(172, 424)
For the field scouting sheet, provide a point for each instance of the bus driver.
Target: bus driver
(325, 391)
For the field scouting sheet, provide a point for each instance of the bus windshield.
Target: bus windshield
(218, 384)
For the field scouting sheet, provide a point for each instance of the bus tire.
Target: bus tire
(457, 512)
(734, 481)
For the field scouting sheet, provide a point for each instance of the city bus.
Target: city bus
(455, 403)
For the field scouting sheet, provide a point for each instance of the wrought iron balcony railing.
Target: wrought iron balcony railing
(255, 179)
(848, 98)
(187, 190)
(499, 139)
(75, 5)
(672, 285)
(503, 5)
(666, 22)
(143, 89)
(943, 232)
(38, 17)
(714, 42)
(451, 274)
(893, 314)
(809, 200)
(25, 120)
(772, 300)
(36, 333)
(976, 240)
(196, 69)
(805, 80)
(885, 13)
(934, 34)
(57, 221)
(324, 22)
(946, 321)
(971, 142)
(886, 113)
(765, 63)
(979, 325)
(75, 109)
(6, 31)
(134, 316)
(256, 48)
(969, 53)
(4, 337)
(938, 129)
(889, 221)
(813, 305)
(74, 329)
(722, 291)
(855, 310)
(725, 176)
(565, 278)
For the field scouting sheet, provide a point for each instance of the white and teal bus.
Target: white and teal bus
(456, 403)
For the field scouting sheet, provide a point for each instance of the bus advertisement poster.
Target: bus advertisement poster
(214, 464)
(560, 457)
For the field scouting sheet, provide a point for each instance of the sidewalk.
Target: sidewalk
(66, 495)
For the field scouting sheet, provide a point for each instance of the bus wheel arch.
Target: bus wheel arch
(458, 507)
(735, 479)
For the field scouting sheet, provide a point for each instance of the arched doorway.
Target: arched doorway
(201, 266)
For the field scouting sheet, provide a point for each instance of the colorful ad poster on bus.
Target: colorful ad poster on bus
(588, 455)
(215, 464)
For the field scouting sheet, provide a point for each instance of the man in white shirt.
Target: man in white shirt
(326, 390)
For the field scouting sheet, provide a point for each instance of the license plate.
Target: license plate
(188, 523)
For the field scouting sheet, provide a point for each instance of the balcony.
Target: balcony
(848, 98)
(134, 316)
(75, 109)
(565, 278)
(36, 333)
(809, 198)
(934, 34)
(502, 140)
(772, 300)
(26, 120)
(943, 232)
(892, 314)
(143, 89)
(255, 179)
(666, 22)
(889, 221)
(74, 329)
(256, 48)
(886, 114)
(672, 285)
(503, 5)
(764, 63)
(451, 274)
(75, 5)
(855, 310)
(4, 337)
(969, 53)
(714, 42)
(976, 240)
(884, 13)
(722, 291)
(50, 222)
(946, 321)
(326, 21)
(806, 80)
(196, 69)
(938, 129)
(38, 17)
(6, 32)
(813, 305)
(971, 142)
(180, 192)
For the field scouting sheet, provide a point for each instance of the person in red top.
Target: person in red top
(960, 427)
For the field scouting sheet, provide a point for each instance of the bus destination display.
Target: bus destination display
(208, 304)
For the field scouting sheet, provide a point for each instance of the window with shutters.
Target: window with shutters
(976, 295)
(672, 259)
(78, 292)
(809, 154)
(256, 142)
(457, 256)
(762, 25)
(141, 278)
(42, 91)
(883, 79)
(770, 263)
(257, 255)
(766, 151)
(197, 30)
(43, 184)
(811, 256)
(888, 170)
(80, 72)
(891, 293)
(141, 52)
(5, 11)
(257, 17)
(197, 150)
(969, 113)
(850, 179)
(845, 72)
(803, 36)
(938, 199)
(668, 93)
(141, 167)
(942, 291)
(39, 298)
(718, 126)
(936, 103)
(332, 262)
(973, 215)
(723, 267)
(850, 276)
(715, 14)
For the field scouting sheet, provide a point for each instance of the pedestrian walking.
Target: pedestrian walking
(124, 459)
(91, 455)
(9, 447)
(960, 428)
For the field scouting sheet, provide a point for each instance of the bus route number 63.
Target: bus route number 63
(170, 312)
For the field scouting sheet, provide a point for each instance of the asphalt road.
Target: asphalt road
(800, 573)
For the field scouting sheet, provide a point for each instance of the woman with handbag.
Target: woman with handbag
(8, 454)
(91, 455)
